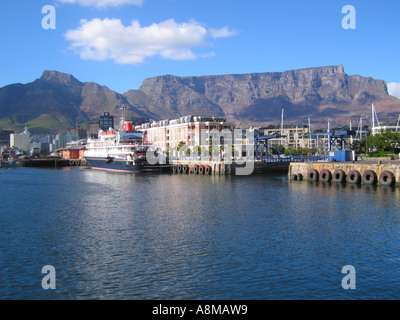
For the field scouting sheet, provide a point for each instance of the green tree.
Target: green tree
(278, 150)
(359, 146)
(378, 144)
(181, 145)
(388, 141)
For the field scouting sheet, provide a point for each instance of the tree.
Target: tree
(181, 145)
(387, 141)
(210, 148)
(278, 150)
(359, 146)
(379, 143)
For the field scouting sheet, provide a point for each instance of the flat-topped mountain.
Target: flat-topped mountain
(322, 94)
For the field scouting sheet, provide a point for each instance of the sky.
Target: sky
(119, 43)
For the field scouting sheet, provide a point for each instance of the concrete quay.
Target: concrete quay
(369, 172)
(239, 167)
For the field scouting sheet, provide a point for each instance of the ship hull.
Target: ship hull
(114, 165)
(156, 168)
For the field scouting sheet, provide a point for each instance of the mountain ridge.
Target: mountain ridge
(322, 93)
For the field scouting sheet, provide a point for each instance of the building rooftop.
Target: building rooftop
(181, 120)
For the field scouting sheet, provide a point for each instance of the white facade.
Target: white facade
(168, 134)
(21, 141)
(62, 139)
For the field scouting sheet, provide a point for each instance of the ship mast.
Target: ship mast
(374, 115)
(123, 115)
(359, 130)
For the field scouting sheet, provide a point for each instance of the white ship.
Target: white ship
(121, 151)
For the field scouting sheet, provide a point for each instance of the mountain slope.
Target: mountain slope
(61, 96)
(322, 93)
(57, 100)
(54, 93)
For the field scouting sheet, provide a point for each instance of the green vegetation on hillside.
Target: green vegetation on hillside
(42, 125)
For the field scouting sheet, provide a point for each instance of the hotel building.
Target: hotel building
(168, 134)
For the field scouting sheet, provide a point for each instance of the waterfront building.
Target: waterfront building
(44, 147)
(295, 137)
(34, 149)
(94, 127)
(106, 121)
(21, 141)
(43, 139)
(74, 150)
(62, 139)
(169, 134)
(80, 132)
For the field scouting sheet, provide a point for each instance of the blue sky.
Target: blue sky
(119, 43)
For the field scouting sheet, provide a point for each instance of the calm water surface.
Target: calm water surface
(118, 236)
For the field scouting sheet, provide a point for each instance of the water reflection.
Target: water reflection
(122, 236)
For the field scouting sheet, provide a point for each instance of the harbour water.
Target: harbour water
(152, 236)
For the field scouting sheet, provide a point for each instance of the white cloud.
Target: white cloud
(394, 89)
(109, 39)
(222, 33)
(103, 3)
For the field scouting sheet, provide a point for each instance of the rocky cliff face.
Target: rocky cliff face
(323, 94)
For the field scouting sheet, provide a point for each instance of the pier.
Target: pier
(222, 168)
(367, 172)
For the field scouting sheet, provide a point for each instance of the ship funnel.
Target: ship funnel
(128, 126)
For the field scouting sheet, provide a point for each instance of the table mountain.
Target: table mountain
(322, 94)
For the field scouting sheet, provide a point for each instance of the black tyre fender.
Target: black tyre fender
(325, 175)
(339, 176)
(354, 177)
(313, 175)
(369, 177)
(386, 178)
